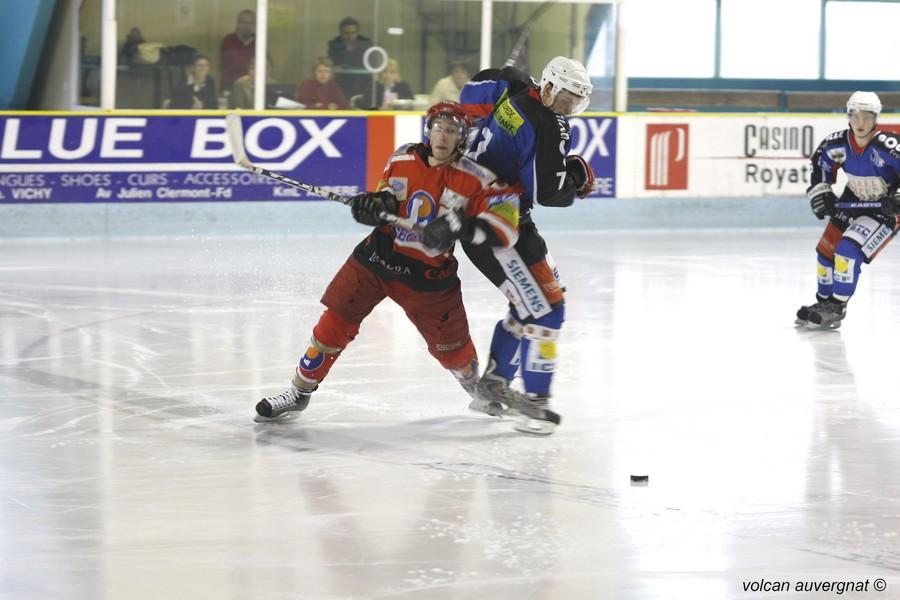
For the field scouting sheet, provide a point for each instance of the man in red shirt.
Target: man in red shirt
(238, 49)
(449, 197)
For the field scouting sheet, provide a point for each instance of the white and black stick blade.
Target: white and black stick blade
(236, 137)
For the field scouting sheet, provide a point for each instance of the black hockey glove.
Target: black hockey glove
(890, 205)
(443, 231)
(582, 174)
(821, 200)
(367, 207)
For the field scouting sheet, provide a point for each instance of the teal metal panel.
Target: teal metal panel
(23, 30)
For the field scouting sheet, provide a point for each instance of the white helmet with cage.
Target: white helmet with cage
(570, 75)
(867, 101)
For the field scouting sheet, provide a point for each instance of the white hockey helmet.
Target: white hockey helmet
(570, 75)
(867, 101)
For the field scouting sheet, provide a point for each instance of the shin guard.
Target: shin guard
(505, 347)
(824, 276)
(538, 351)
(330, 336)
(848, 260)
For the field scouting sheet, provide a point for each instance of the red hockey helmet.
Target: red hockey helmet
(451, 111)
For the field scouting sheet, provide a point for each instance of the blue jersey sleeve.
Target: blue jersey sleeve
(828, 157)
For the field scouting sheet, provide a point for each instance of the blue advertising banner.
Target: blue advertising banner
(117, 158)
(594, 139)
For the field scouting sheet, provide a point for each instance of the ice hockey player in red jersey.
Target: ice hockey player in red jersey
(448, 197)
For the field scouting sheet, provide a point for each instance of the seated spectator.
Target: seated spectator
(321, 91)
(238, 48)
(199, 90)
(449, 87)
(388, 88)
(346, 53)
(242, 91)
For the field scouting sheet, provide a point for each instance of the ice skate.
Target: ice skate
(283, 407)
(490, 391)
(828, 315)
(803, 311)
(536, 416)
(495, 394)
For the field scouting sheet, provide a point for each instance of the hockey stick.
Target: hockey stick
(858, 205)
(524, 32)
(236, 137)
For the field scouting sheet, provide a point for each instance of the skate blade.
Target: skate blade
(816, 327)
(535, 426)
(486, 407)
(800, 322)
(284, 417)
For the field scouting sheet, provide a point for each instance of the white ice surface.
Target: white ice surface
(130, 467)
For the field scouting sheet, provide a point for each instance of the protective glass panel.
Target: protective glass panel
(343, 54)
(89, 25)
(529, 34)
(670, 39)
(845, 23)
(753, 42)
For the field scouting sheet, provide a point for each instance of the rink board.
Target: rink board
(158, 156)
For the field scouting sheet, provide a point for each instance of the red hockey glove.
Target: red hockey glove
(582, 174)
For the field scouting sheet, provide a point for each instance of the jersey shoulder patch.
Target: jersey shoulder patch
(508, 117)
(834, 147)
(484, 175)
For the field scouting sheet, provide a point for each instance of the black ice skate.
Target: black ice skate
(803, 312)
(284, 406)
(488, 393)
(494, 394)
(828, 315)
(536, 416)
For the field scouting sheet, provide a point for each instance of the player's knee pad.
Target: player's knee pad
(848, 261)
(505, 346)
(538, 350)
(335, 331)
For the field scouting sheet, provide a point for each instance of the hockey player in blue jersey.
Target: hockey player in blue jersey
(525, 137)
(864, 219)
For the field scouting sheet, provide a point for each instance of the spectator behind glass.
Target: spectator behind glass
(389, 86)
(243, 88)
(321, 91)
(199, 91)
(448, 88)
(346, 52)
(238, 48)
(130, 48)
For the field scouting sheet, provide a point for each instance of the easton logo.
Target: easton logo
(667, 157)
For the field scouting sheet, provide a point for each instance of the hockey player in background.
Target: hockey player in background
(525, 137)
(448, 197)
(864, 219)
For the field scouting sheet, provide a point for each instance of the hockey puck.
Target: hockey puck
(640, 479)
